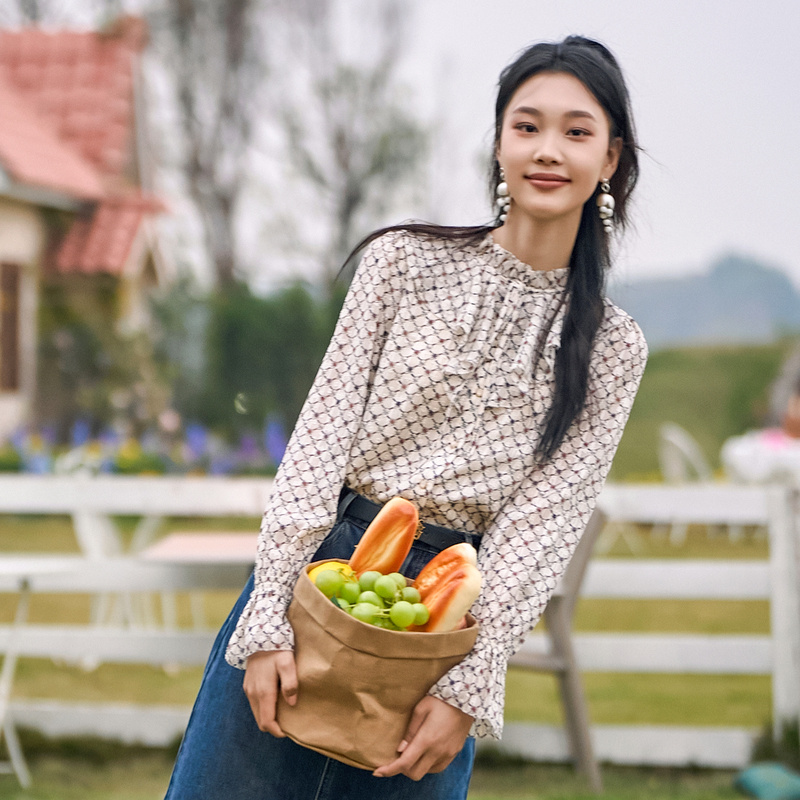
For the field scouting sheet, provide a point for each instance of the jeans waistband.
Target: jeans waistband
(355, 505)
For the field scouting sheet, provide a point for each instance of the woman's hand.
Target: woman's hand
(267, 673)
(436, 733)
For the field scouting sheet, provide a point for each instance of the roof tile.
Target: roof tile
(101, 240)
(66, 123)
(81, 82)
(35, 156)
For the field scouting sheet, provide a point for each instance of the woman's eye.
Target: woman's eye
(578, 132)
(526, 127)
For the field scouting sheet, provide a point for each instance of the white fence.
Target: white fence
(776, 654)
(679, 653)
(776, 580)
(775, 507)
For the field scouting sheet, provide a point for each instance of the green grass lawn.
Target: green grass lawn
(713, 392)
(613, 698)
(507, 780)
(72, 771)
(647, 699)
(86, 769)
(141, 775)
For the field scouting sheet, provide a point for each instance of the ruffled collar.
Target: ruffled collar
(508, 265)
(497, 326)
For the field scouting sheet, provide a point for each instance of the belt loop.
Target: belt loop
(347, 496)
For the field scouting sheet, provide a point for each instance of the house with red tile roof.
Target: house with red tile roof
(75, 210)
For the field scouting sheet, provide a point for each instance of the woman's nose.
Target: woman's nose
(547, 150)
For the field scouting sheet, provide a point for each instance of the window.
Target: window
(9, 327)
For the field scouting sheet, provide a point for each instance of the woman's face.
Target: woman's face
(554, 147)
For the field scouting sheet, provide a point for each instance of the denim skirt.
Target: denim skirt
(224, 756)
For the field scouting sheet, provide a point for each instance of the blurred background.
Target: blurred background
(182, 180)
(180, 184)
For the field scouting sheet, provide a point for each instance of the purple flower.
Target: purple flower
(248, 448)
(275, 439)
(81, 431)
(196, 440)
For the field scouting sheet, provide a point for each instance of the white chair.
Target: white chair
(682, 461)
(679, 456)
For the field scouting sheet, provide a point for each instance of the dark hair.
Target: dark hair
(597, 69)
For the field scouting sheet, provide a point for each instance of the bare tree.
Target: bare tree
(348, 134)
(31, 10)
(215, 65)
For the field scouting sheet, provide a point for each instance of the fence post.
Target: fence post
(784, 556)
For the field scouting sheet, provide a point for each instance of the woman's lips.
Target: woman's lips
(546, 180)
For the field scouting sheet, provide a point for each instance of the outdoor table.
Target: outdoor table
(16, 575)
(762, 456)
(190, 548)
(216, 547)
(24, 574)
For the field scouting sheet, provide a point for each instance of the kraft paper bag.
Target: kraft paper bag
(358, 683)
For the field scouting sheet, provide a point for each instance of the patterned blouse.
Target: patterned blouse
(428, 391)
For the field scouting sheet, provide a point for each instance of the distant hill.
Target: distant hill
(740, 300)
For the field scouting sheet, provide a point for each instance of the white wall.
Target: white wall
(22, 238)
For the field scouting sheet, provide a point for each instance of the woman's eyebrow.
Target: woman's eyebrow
(534, 112)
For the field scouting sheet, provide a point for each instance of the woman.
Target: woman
(480, 373)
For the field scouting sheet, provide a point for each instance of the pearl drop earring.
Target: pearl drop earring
(503, 200)
(605, 206)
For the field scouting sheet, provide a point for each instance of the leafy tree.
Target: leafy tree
(87, 368)
(213, 59)
(180, 314)
(263, 354)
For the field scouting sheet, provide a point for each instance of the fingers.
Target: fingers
(410, 766)
(263, 676)
(287, 676)
(414, 724)
(435, 736)
(410, 755)
(418, 759)
(261, 685)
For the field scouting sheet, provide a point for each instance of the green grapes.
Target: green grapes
(382, 600)
(410, 594)
(367, 580)
(371, 597)
(399, 579)
(350, 591)
(402, 614)
(421, 613)
(366, 612)
(386, 587)
(329, 582)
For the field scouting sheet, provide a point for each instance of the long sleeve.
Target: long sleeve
(527, 547)
(302, 505)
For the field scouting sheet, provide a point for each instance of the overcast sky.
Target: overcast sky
(715, 86)
(716, 96)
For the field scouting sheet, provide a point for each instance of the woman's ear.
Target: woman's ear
(612, 158)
